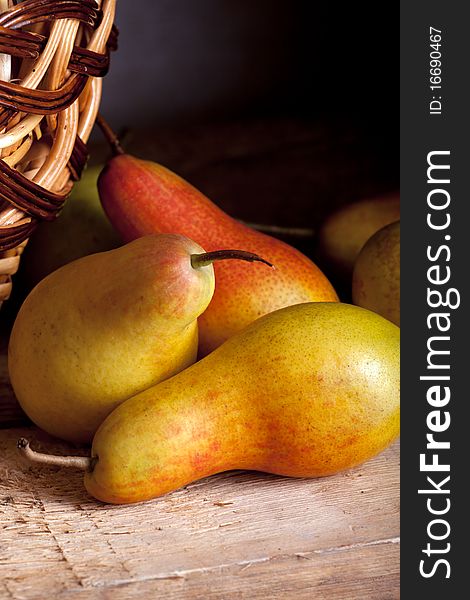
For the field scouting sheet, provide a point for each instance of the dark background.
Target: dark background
(181, 60)
(278, 110)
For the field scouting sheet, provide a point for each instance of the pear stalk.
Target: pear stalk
(110, 136)
(85, 463)
(207, 258)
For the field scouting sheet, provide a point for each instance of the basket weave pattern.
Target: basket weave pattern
(53, 55)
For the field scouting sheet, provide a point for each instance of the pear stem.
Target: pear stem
(207, 258)
(109, 134)
(85, 463)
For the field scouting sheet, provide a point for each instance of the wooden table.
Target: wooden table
(236, 535)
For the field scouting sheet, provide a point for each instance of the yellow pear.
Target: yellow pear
(345, 231)
(107, 326)
(376, 275)
(304, 391)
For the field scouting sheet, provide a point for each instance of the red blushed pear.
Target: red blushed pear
(142, 197)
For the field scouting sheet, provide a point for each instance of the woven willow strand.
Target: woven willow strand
(53, 55)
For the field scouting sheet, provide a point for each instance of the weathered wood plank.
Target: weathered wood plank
(346, 574)
(237, 534)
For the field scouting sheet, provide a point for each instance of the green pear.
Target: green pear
(376, 275)
(82, 228)
(106, 326)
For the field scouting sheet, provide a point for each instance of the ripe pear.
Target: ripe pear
(345, 231)
(81, 229)
(106, 327)
(376, 275)
(305, 391)
(142, 197)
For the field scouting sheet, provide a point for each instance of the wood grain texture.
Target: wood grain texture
(235, 535)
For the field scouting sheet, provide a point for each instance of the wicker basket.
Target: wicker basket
(53, 54)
